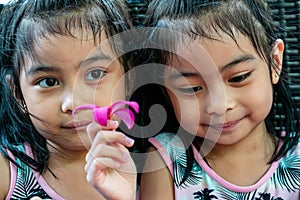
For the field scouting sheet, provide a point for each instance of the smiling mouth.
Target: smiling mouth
(226, 126)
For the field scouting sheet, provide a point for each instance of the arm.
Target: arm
(4, 177)
(110, 169)
(156, 181)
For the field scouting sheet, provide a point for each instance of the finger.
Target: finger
(96, 170)
(100, 168)
(102, 164)
(92, 130)
(94, 127)
(111, 125)
(111, 138)
(119, 153)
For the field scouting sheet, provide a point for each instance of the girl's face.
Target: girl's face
(70, 72)
(226, 97)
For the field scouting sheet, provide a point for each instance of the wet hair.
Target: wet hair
(23, 24)
(252, 18)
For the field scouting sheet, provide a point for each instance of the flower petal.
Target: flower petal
(120, 104)
(127, 116)
(84, 107)
(101, 115)
(134, 105)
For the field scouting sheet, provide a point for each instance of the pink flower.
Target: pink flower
(101, 115)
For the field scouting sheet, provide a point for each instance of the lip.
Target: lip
(226, 127)
(79, 125)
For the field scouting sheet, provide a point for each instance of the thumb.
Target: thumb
(111, 125)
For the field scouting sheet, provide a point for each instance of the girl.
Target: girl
(223, 82)
(55, 56)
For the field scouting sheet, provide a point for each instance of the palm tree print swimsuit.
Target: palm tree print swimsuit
(26, 183)
(281, 181)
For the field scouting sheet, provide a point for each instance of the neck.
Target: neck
(62, 156)
(257, 143)
(235, 162)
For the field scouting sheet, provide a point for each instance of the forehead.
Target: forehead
(66, 48)
(217, 50)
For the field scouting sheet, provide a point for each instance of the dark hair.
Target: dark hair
(201, 18)
(23, 23)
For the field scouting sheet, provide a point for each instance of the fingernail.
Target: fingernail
(129, 140)
(113, 123)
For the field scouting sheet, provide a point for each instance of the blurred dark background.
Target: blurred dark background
(287, 15)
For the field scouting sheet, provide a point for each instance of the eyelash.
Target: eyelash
(191, 90)
(44, 80)
(101, 71)
(239, 78)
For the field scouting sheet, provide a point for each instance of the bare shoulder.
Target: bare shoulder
(156, 180)
(4, 176)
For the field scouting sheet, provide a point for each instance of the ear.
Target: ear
(277, 56)
(10, 83)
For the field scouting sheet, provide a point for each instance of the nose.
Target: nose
(67, 102)
(219, 101)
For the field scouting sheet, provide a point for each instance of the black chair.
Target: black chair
(287, 15)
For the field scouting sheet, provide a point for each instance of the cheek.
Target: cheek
(109, 92)
(36, 102)
(119, 92)
(190, 116)
(260, 102)
(266, 103)
(45, 121)
(43, 114)
(187, 112)
(37, 106)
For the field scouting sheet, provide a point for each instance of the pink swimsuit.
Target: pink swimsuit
(26, 183)
(281, 181)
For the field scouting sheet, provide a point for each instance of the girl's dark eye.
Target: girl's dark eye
(240, 78)
(95, 74)
(191, 90)
(48, 82)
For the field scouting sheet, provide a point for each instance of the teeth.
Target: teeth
(227, 125)
(223, 125)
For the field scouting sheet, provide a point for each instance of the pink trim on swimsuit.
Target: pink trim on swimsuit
(13, 176)
(229, 185)
(163, 154)
(41, 180)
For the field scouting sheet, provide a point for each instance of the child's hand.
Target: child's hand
(110, 169)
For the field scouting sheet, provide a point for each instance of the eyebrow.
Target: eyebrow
(43, 68)
(238, 60)
(178, 74)
(93, 59)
